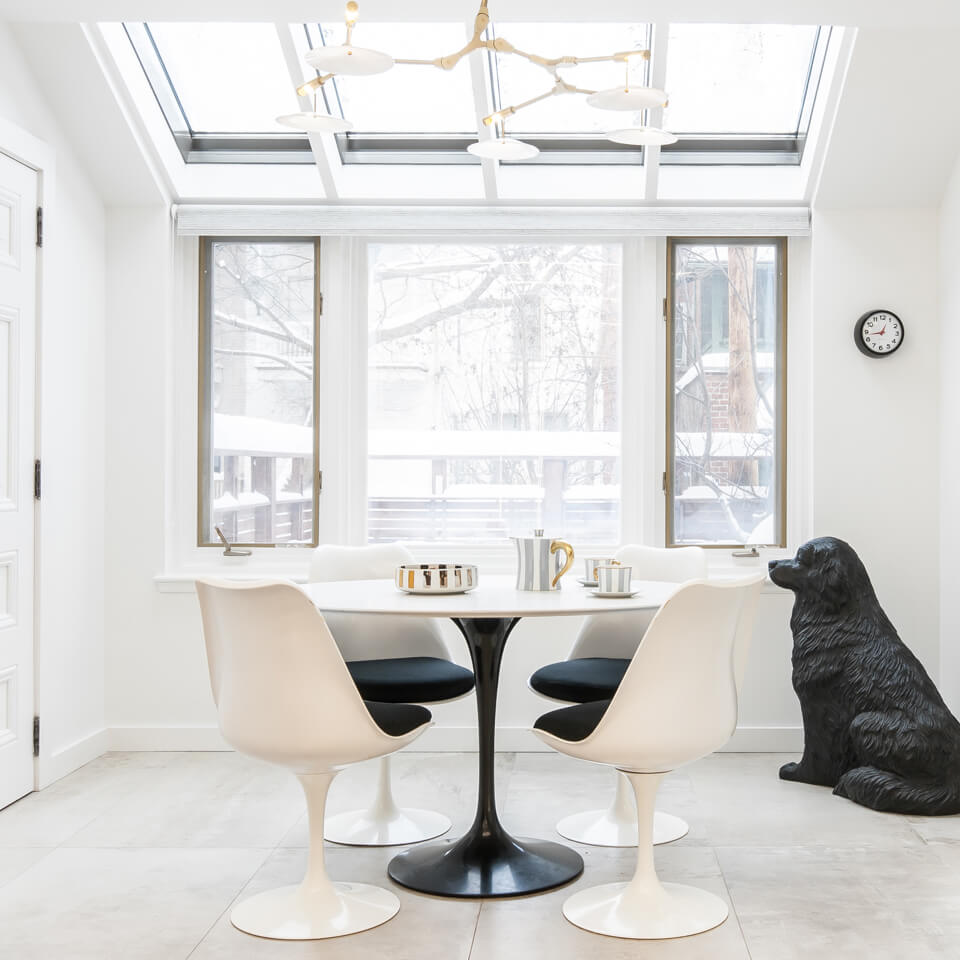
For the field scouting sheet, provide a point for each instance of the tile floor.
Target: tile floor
(139, 856)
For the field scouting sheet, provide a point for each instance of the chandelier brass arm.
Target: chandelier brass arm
(350, 60)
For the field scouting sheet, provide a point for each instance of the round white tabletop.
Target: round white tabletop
(494, 596)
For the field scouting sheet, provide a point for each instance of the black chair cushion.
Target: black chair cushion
(580, 681)
(410, 679)
(573, 723)
(396, 719)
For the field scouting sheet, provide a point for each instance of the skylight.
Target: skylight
(198, 55)
(412, 99)
(739, 94)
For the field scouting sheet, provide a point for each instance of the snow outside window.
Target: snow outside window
(493, 379)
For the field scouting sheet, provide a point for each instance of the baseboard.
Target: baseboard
(67, 759)
(436, 740)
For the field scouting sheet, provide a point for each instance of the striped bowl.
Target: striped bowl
(436, 577)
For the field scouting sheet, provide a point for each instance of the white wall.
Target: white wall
(949, 403)
(71, 415)
(157, 689)
(876, 440)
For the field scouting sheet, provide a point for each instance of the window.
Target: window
(493, 379)
(258, 428)
(726, 403)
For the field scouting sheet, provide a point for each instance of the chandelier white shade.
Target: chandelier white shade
(643, 137)
(349, 61)
(628, 98)
(315, 122)
(503, 148)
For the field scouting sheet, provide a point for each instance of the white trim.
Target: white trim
(74, 756)
(598, 222)
(437, 739)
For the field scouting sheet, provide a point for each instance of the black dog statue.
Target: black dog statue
(875, 727)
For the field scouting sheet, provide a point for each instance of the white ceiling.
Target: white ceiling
(897, 132)
(878, 13)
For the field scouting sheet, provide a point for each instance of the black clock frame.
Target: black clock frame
(858, 335)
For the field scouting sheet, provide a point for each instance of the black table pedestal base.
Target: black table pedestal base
(476, 866)
(486, 861)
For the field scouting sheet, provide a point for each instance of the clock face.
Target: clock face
(878, 333)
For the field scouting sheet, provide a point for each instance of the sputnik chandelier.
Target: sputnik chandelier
(349, 60)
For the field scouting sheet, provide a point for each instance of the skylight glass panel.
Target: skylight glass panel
(737, 78)
(519, 79)
(228, 77)
(410, 98)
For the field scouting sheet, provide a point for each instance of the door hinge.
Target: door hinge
(664, 309)
(39, 226)
(664, 481)
(36, 479)
(319, 304)
(319, 481)
(36, 736)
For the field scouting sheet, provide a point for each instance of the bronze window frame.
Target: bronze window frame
(780, 367)
(204, 385)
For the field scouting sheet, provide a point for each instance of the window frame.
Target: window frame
(780, 366)
(204, 387)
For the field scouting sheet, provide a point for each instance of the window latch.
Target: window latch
(230, 550)
(752, 552)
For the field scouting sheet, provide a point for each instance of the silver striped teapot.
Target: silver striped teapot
(541, 561)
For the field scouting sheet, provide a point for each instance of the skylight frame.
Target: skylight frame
(450, 149)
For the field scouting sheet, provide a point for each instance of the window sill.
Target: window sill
(722, 566)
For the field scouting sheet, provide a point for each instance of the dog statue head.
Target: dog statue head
(826, 572)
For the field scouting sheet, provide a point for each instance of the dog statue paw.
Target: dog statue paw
(875, 727)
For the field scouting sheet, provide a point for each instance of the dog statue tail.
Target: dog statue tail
(883, 790)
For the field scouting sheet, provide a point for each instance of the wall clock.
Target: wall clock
(878, 333)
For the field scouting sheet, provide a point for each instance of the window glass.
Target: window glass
(725, 442)
(228, 77)
(494, 391)
(737, 78)
(257, 434)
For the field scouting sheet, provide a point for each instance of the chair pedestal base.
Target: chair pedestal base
(366, 829)
(617, 825)
(295, 913)
(601, 828)
(652, 912)
(384, 824)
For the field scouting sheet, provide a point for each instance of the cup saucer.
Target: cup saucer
(583, 581)
(618, 595)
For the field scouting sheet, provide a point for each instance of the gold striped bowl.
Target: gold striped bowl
(436, 577)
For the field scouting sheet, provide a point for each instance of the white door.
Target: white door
(18, 264)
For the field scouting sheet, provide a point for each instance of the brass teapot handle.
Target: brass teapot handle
(556, 545)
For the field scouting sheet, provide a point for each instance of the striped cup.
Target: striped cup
(613, 578)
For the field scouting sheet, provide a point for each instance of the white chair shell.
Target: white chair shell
(676, 703)
(384, 822)
(284, 695)
(617, 635)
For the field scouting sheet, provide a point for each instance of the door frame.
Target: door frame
(19, 145)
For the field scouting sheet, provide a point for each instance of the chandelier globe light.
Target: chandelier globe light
(349, 60)
(346, 59)
(643, 137)
(503, 148)
(316, 122)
